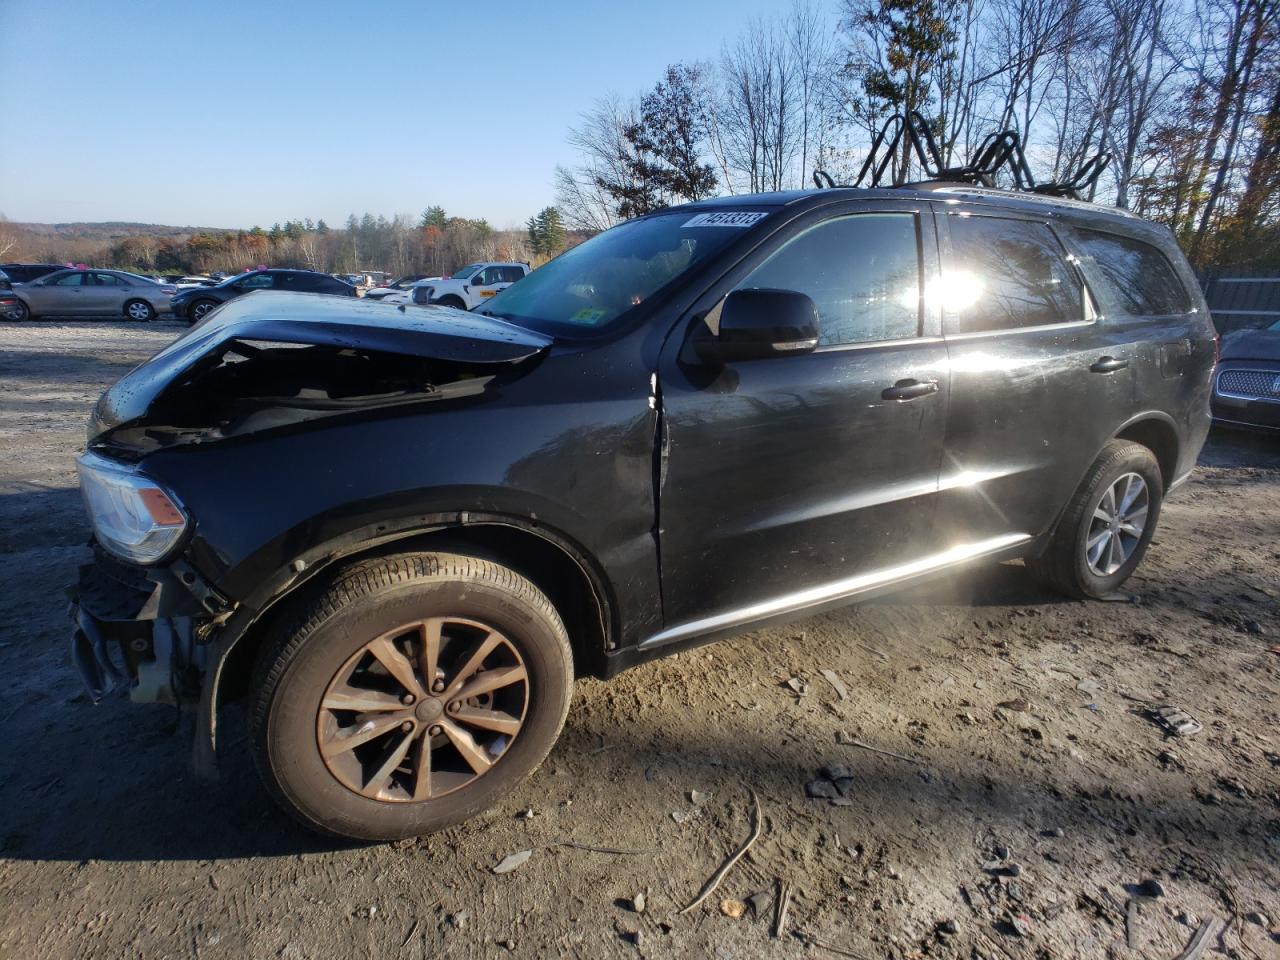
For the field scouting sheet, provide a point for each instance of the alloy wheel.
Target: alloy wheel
(1118, 522)
(139, 311)
(423, 710)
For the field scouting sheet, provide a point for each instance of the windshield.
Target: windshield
(463, 272)
(589, 287)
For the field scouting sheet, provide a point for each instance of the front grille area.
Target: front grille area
(1250, 384)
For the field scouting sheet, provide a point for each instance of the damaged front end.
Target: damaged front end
(148, 612)
(139, 632)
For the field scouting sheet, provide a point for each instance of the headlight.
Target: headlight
(131, 516)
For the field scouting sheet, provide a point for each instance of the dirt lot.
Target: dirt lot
(108, 848)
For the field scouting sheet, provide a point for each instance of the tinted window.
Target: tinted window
(107, 280)
(862, 272)
(255, 281)
(1129, 276)
(510, 274)
(70, 280)
(1008, 274)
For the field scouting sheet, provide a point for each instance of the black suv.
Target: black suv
(402, 535)
(194, 303)
(26, 272)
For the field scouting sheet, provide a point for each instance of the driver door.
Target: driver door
(791, 480)
(59, 294)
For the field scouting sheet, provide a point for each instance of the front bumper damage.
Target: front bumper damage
(138, 631)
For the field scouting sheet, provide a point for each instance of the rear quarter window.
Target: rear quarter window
(1130, 277)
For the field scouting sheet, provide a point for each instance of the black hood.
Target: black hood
(1251, 345)
(307, 319)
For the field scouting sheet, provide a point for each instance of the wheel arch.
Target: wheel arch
(1157, 432)
(558, 566)
(1153, 429)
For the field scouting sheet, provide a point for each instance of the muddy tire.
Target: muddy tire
(414, 692)
(1106, 529)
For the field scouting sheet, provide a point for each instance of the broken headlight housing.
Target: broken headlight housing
(132, 516)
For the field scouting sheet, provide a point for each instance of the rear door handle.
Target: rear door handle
(1108, 365)
(910, 389)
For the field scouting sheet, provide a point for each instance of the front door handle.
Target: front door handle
(910, 389)
(1108, 365)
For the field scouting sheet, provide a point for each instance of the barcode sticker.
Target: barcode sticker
(730, 218)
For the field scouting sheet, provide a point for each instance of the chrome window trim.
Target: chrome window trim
(1014, 331)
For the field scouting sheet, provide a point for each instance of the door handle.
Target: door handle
(1108, 365)
(910, 389)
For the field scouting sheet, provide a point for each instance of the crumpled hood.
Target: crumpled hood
(439, 333)
(1251, 345)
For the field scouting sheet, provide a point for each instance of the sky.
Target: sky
(238, 113)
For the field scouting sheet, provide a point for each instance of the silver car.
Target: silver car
(91, 293)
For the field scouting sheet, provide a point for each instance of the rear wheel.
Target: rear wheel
(415, 692)
(139, 310)
(1108, 525)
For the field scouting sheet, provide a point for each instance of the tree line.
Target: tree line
(433, 243)
(1184, 95)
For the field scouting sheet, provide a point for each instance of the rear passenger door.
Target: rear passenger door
(104, 293)
(792, 480)
(1037, 383)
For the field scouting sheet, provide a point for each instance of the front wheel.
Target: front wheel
(200, 309)
(1107, 526)
(18, 312)
(413, 693)
(452, 301)
(139, 310)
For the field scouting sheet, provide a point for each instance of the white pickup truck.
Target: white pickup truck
(464, 288)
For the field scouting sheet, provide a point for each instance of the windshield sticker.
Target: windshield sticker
(588, 317)
(733, 218)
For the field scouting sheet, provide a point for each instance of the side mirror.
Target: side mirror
(755, 324)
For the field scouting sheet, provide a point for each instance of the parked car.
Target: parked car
(8, 303)
(403, 538)
(194, 303)
(1246, 389)
(465, 288)
(395, 286)
(5, 283)
(84, 293)
(26, 272)
(180, 280)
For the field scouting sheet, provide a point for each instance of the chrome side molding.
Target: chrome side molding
(839, 589)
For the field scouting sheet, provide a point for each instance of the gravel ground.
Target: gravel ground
(1010, 719)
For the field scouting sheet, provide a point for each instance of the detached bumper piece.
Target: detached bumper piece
(134, 633)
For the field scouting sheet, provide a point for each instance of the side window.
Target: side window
(513, 274)
(70, 280)
(1130, 277)
(107, 280)
(862, 272)
(1009, 274)
(256, 281)
(484, 277)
